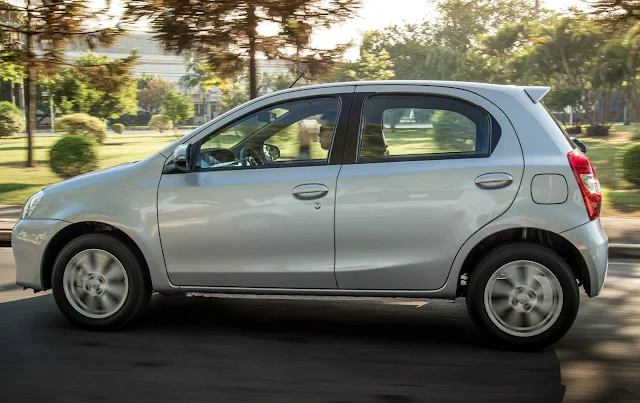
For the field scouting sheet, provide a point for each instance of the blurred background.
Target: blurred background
(130, 76)
(135, 74)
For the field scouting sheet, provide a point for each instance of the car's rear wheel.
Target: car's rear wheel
(98, 283)
(523, 296)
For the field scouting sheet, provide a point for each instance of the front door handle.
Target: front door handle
(494, 180)
(310, 191)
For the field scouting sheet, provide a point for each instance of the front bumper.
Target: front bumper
(29, 240)
(593, 245)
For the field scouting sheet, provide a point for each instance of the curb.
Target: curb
(621, 250)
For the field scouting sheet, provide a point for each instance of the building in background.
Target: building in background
(153, 59)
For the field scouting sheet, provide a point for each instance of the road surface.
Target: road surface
(210, 350)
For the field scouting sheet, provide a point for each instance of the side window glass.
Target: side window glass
(291, 132)
(413, 125)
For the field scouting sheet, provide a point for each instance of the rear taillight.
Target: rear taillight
(587, 181)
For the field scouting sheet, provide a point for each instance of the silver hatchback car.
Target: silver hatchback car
(396, 189)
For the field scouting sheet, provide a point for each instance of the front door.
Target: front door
(430, 167)
(259, 209)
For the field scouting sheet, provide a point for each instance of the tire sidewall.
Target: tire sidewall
(532, 252)
(136, 281)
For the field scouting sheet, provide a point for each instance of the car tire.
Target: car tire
(523, 296)
(98, 283)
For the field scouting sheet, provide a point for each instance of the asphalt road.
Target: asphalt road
(210, 350)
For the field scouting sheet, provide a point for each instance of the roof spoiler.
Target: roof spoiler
(537, 93)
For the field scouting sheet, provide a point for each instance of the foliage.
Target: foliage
(198, 74)
(177, 107)
(576, 129)
(371, 67)
(152, 91)
(274, 82)
(118, 128)
(97, 85)
(81, 124)
(460, 22)
(233, 94)
(38, 31)
(631, 165)
(598, 130)
(11, 119)
(225, 33)
(73, 155)
(160, 123)
(452, 130)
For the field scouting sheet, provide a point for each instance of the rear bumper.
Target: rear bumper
(593, 245)
(29, 240)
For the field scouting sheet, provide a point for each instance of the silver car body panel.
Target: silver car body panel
(244, 228)
(593, 245)
(29, 240)
(126, 197)
(399, 225)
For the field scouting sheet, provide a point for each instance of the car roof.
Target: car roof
(451, 84)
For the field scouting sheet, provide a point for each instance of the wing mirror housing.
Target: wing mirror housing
(270, 152)
(182, 158)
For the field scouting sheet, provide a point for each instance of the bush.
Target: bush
(81, 124)
(117, 127)
(598, 131)
(11, 119)
(631, 165)
(574, 129)
(160, 123)
(73, 155)
(453, 131)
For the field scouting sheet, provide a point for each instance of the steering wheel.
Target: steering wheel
(250, 157)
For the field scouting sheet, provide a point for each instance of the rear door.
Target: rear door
(424, 168)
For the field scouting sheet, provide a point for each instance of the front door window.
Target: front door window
(296, 132)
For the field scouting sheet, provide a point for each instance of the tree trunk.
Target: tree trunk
(31, 99)
(251, 21)
(21, 102)
(12, 88)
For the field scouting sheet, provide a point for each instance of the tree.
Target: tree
(198, 75)
(152, 91)
(459, 29)
(616, 12)
(49, 25)
(225, 32)
(177, 107)
(370, 67)
(274, 82)
(10, 68)
(234, 93)
(98, 86)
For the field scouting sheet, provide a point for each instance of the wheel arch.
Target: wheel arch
(70, 232)
(479, 245)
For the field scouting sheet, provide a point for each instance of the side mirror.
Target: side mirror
(580, 144)
(182, 158)
(271, 153)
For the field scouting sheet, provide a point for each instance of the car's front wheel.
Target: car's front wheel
(523, 296)
(98, 283)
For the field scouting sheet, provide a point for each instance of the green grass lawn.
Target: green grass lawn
(620, 198)
(18, 183)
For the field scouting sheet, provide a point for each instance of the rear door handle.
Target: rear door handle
(310, 191)
(494, 180)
